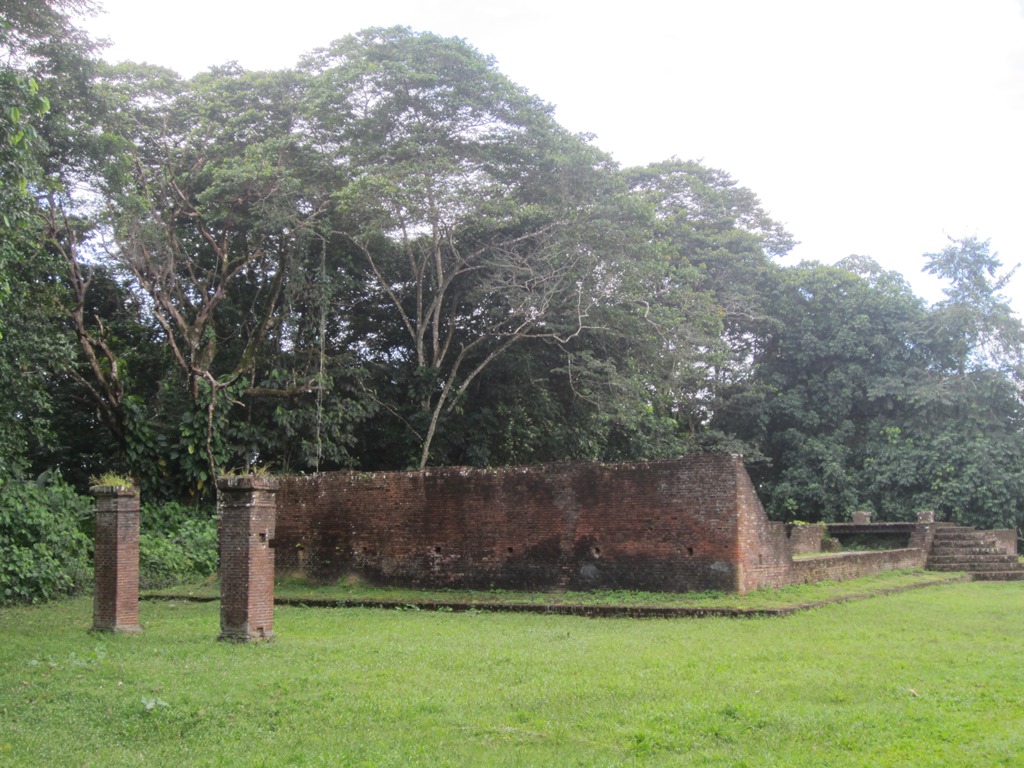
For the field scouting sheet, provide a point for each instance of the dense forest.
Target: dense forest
(391, 256)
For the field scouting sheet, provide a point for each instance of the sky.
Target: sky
(877, 127)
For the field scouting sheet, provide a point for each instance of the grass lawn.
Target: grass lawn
(929, 677)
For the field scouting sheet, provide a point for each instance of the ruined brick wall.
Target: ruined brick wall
(805, 539)
(765, 556)
(684, 525)
(688, 524)
(854, 565)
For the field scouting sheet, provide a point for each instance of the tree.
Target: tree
(475, 215)
(864, 396)
(42, 53)
(36, 349)
(967, 427)
(209, 214)
(975, 323)
(707, 308)
(824, 390)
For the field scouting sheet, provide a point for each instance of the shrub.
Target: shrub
(177, 544)
(43, 552)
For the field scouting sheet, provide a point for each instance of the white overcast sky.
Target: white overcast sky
(875, 127)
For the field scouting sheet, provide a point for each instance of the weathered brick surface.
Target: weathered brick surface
(671, 525)
(246, 507)
(1006, 540)
(116, 559)
(683, 525)
(805, 539)
(765, 556)
(853, 565)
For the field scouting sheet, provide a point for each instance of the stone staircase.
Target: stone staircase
(959, 548)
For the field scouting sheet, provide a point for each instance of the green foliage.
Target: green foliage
(975, 327)
(477, 222)
(34, 352)
(45, 553)
(817, 398)
(178, 544)
(864, 397)
(45, 104)
(392, 256)
(111, 479)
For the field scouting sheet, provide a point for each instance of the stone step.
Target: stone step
(960, 548)
(971, 557)
(983, 551)
(979, 551)
(992, 557)
(969, 537)
(1015, 575)
(973, 567)
(967, 545)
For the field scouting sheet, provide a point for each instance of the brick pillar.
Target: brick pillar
(116, 560)
(247, 513)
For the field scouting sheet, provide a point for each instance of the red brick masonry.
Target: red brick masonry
(246, 509)
(687, 524)
(116, 559)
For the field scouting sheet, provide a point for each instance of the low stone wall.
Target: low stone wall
(854, 565)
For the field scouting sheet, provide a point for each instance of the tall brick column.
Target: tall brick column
(247, 512)
(116, 560)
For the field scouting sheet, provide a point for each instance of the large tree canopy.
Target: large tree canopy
(45, 69)
(392, 256)
(480, 222)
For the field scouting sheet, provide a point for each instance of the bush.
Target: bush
(177, 544)
(43, 552)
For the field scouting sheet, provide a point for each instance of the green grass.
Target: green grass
(294, 588)
(928, 677)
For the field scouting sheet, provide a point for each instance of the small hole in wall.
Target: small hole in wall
(595, 552)
(689, 551)
(760, 559)
(366, 550)
(510, 550)
(437, 550)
